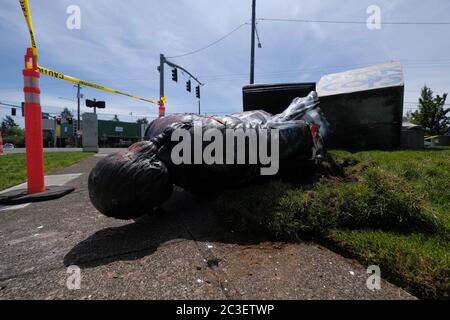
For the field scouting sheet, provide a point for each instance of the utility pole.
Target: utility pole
(78, 86)
(252, 57)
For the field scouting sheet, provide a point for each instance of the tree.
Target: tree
(8, 123)
(66, 114)
(408, 116)
(116, 118)
(432, 115)
(12, 133)
(142, 121)
(16, 136)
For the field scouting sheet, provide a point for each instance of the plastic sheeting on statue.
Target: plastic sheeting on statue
(132, 182)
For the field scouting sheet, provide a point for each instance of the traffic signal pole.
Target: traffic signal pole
(161, 75)
(163, 60)
(162, 107)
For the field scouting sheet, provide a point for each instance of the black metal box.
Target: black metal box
(274, 98)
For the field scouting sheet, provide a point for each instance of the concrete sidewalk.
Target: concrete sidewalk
(187, 253)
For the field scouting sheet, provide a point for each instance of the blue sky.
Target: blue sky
(119, 44)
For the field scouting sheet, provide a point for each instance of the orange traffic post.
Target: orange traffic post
(33, 125)
(2, 152)
(36, 190)
(162, 110)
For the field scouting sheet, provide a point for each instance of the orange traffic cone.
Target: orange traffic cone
(2, 152)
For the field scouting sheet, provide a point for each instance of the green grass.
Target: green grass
(13, 166)
(390, 208)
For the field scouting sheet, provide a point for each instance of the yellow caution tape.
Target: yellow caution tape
(24, 4)
(61, 76)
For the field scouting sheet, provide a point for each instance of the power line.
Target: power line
(7, 105)
(275, 77)
(405, 63)
(211, 44)
(355, 22)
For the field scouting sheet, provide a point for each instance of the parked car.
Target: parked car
(8, 146)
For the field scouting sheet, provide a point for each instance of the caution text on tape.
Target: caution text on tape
(61, 76)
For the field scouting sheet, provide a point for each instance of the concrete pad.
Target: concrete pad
(174, 271)
(297, 271)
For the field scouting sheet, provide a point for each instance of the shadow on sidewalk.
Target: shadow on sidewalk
(186, 217)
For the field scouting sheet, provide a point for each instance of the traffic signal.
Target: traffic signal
(13, 112)
(23, 109)
(58, 121)
(197, 92)
(100, 104)
(175, 74)
(188, 86)
(69, 121)
(90, 103)
(95, 104)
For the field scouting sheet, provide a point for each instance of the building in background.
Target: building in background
(111, 134)
(49, 132)
(412, 136)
